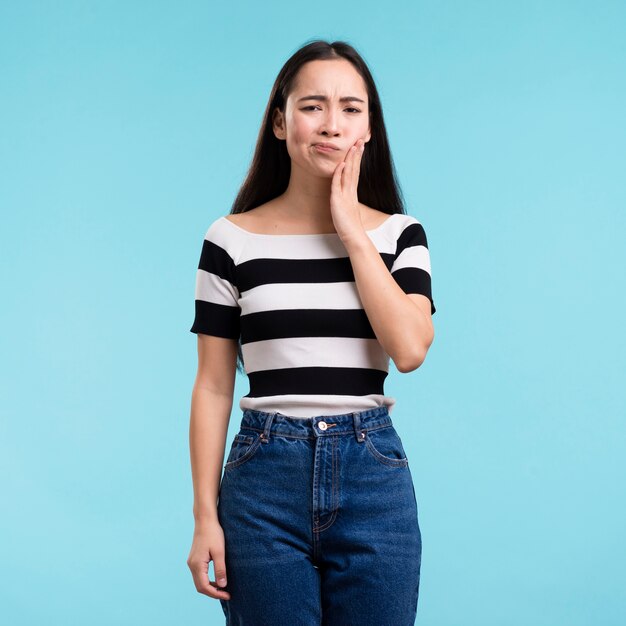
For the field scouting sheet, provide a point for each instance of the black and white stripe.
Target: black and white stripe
(307, 343)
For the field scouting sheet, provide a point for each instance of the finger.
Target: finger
(207, 587)
(335, 185)
(356, 168)
(350, 167)
(204, 585)
(218, 594)
(360, 151)
(220, 570)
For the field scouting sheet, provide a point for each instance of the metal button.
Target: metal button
(322, 425)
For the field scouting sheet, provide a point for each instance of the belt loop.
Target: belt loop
(265, 435)
(360, 434)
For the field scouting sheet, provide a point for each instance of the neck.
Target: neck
(307, 197)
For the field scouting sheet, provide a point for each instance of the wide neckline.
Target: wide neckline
(247, 232)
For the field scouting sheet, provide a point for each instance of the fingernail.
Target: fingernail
(222, 582)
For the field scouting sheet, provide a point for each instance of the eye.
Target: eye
(314, 107)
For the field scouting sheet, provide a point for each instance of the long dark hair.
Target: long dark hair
(269, 172)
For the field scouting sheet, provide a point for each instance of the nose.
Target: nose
(329, 124)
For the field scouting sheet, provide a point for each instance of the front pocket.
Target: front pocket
(242, 449)
(385, 445)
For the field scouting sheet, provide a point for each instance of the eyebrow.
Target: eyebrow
(324, 99)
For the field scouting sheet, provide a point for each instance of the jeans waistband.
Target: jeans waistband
(353, 423)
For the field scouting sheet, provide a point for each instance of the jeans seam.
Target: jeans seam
(335, 489)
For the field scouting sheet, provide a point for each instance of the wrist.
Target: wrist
(207, 516)
(356, 241)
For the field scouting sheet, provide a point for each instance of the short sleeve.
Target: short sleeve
(411, 265)
(217, 310)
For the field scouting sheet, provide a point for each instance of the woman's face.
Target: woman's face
(324, 118)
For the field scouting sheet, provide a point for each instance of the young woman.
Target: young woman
(314, 281)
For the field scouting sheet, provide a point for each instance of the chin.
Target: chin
(325, 170)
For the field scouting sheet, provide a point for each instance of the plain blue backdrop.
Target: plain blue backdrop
(127, 127)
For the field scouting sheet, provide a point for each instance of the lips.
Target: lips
(327, 146)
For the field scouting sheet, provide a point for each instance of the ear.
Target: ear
(278, 124)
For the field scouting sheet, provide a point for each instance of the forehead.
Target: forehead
(333, 78)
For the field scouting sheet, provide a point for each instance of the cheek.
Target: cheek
(361, 132)
(301, 127)
(299, 139)
(301, 134)
(295, 147)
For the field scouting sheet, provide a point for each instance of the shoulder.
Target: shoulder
(242, 221)
(223, 236)
(402, 231)
(372, 218)
(410, 232)
(395, 222)
(254, 220)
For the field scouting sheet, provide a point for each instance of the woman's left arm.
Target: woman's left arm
(402, 322)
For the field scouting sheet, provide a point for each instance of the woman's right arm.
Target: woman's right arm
(211, 405)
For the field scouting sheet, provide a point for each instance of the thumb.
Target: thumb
(220, 571)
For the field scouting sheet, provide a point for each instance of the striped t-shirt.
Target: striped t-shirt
(308, 347)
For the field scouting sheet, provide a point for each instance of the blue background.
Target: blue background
(127, 127)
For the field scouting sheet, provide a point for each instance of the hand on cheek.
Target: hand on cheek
(344, 203)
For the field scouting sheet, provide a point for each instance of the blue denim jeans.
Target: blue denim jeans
(320, 522)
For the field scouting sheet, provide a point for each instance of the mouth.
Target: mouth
(325, 147)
